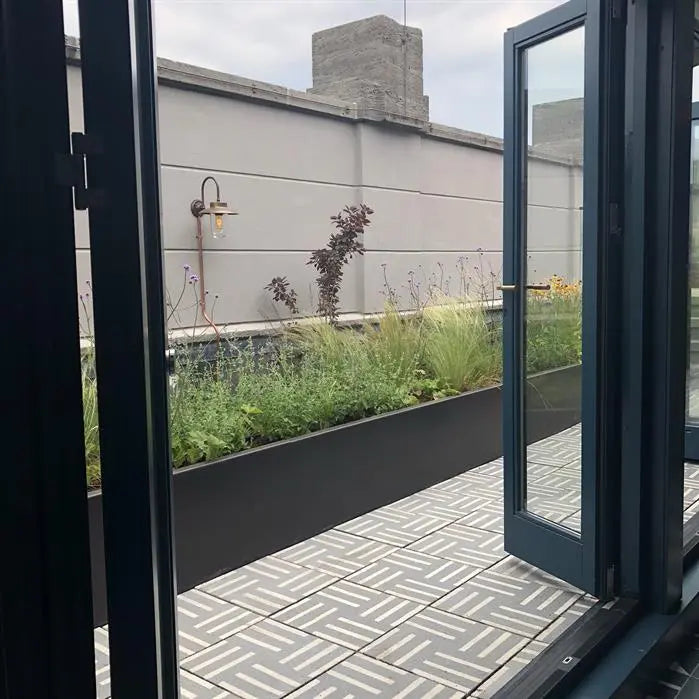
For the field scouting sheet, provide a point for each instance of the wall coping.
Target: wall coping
(189, 77)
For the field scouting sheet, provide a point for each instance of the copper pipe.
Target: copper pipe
(202, 287)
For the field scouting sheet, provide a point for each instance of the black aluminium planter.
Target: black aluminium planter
(240, 508)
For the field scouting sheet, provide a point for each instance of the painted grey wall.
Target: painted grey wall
(289, 160)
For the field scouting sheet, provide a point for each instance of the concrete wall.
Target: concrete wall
(288, 160)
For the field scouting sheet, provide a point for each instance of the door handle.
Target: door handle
(531, 287)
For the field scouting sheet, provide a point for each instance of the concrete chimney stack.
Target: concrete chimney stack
(374, 62)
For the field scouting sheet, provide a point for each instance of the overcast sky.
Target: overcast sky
(270, 40)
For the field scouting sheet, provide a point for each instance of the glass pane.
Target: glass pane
(554, 93)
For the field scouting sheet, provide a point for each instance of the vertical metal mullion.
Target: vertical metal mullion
(118, 71)
(658, 117)
(46, 642)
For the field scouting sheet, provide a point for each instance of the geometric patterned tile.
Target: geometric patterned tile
(414, 576)
(525, 608)
(203, 620)
(191, 686)
(497, 681)
(560, 478)
(194, 687)
(488, 517)
(447, 649)
(102, 663)
(553, 452)
(436, 502)
(396, 524)
(572, 522)
(348, 614)
(362, 676)
(554, 504)
(455, 542)
(474, 484)
(335, 553)
(514, 569)
(267, 659)
(567, 619)
(492, 468)
(267, 585)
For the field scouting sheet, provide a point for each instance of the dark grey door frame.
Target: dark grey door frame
(582, 560)
(46, 639)
(123, 171)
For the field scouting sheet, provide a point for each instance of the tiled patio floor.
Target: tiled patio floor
(414, 600)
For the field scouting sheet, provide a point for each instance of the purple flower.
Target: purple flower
(193, 278)
(187, 268)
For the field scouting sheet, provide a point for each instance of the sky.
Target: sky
(270, 40)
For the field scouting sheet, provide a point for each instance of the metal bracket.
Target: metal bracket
(70, 170)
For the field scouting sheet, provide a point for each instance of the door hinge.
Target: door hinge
(619, 10)
(70, 170)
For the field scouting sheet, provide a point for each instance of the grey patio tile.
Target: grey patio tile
(560, 478)
(399, 524)
(525, 608)
(447, 649)
(513, 569)
(492, 468)
(567, 619)
(102, 663)
(413, 575)
(439, 503)
(573, 521)
(456, 542)
(689, 512)
(265, 660)
(363, 676)
(267, 585)
(474, 484)
(194, 687)
(191, 686)
(348, 614)
(553, 452)
(203, 620)
(514, 665)
(488, 517)
(554, 504)
(336, 553)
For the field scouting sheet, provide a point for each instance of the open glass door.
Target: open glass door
(554, 322)
(691, 441)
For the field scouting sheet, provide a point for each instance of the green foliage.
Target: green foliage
(461, 348)
(554, 327)
(317, 375)
(90, 421)
(206, 420)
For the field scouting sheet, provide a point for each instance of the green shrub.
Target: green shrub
(319, 377)
(90, 422)
(554, 326)
(461, 348)
(206, 420)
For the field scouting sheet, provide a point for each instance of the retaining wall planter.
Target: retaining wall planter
(240, 508)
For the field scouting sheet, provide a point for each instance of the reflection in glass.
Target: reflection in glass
(554, 94)
(693, 368)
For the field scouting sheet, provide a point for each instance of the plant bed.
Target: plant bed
(235, 510)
